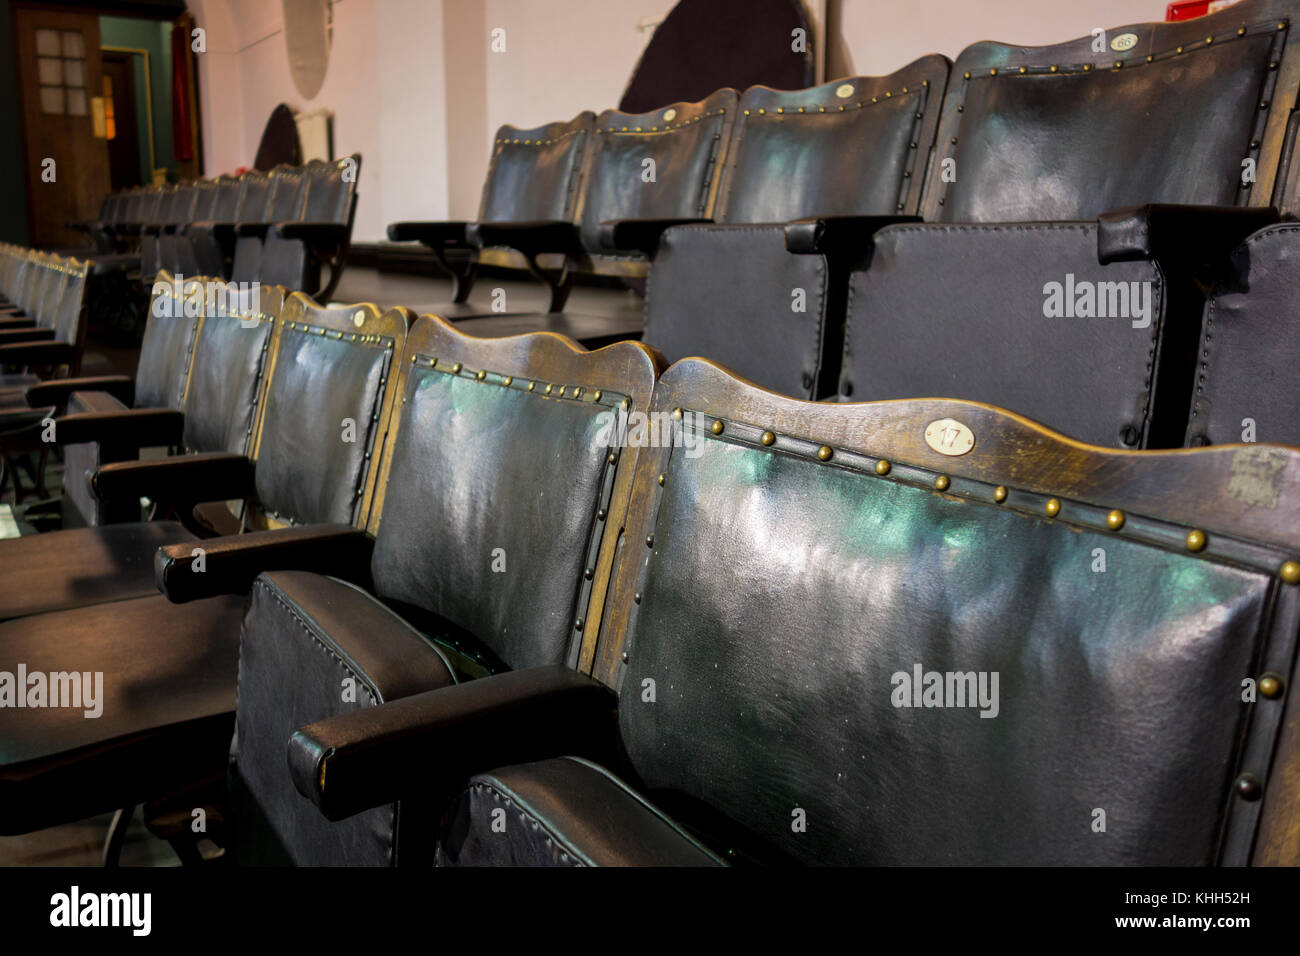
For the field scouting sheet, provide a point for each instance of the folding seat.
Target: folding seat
(534, 175)
(915, 632)
(214, 239)
(294, 250)
(166, 701)
(1250, 348)
(286, 190)
(91, 432)
(729, 289)
(157, 239)
(496, 521)
(223, 386)
(1062, 268)
(659, 165)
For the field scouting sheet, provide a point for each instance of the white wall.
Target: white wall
(385, 86)
(417, 90)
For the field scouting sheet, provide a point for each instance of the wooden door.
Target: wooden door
(60, 74)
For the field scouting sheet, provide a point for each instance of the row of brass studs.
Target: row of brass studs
(1119, 64)
(371, 339)
(506, 140)
(572, 392)
(888, 94)
(666, 128)
(1195, 540)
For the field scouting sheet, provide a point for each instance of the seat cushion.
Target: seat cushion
(82, 566)
(159, 714)
(315, 647)
(563, 812)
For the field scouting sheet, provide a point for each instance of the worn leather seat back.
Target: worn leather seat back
(856, 146)
(330, 195)
(1250, 347)
(536, 174)
(504, 485)
(66, 300)
(856, 635)
(326, 411)
(161, 376)
(663, 164)
(226, 372)
(286, 195)
(733, 293)
(1070, 131)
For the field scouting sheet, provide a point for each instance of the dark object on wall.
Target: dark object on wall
(705, 45)
(279, 141)
(182, 116)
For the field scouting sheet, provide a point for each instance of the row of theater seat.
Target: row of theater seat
(509, 601)
(279, 227)
(42, 335)
(1078, 203)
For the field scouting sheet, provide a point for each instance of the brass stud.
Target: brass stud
(1024, 69)
(966, 76)
(1053, 507)
(717, 427)
(625, 404)
(549, 388)
(1281, 26)
(825, 453)
(1055, 68)
(1115, 520)
(508, 380)
(993, 71)
(612, 458)
(1087, 68)
(1290, 572)
(1000, 494)
(1196, 540)
(589, 573)
(481, 374)
(1178, 50)
(662, 479)
(596, 397)
(1119, 64)
(677, 414)
(882, 467)
(1241, 31)
(1150, 58)
(562, 388)
(942, 482)
(600, 514)
(636, 598)
(456, 368)
(577, 625)
(577, 392)
(649, 541)
(531, 386)
(1248, 787)
(1270, 686)
(767, 438)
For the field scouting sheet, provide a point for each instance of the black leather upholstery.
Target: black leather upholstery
(731, 291)
(1246, 369)
(935, 311)
(563, 812)
(536, 174)
(538, 472)
(314, 647)
(312, 464)
(1037, 133)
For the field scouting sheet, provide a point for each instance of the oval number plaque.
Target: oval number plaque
(948, 436)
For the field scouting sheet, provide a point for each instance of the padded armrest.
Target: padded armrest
(58, 391)
(31, 334)
(37, 353)
(258, 229)
(180, 481)
(1188, 235)
(315, 233)
(437, 739)
(530, 238)
(829, 235)
(638, 235)
(430, 233)
(222, 231)
(133, 427)
(230, 564)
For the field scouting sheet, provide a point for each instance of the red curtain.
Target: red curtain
(182, 115)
